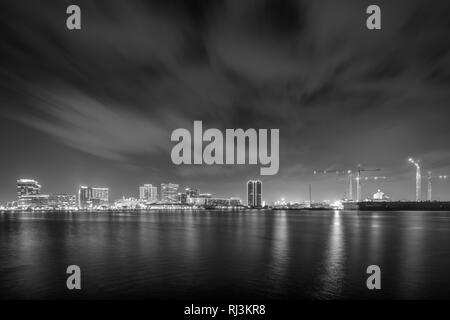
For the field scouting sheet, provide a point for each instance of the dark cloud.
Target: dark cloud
(340, 94)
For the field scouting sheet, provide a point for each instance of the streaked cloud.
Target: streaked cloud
(89, 125)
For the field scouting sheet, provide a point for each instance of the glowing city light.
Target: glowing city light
(418, 177)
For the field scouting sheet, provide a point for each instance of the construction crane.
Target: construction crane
(358, 182)
(430, 179)
(350, 173)
(374, 178)
(339, 172)
(416, 163)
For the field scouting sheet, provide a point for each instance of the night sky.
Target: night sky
(97, 106)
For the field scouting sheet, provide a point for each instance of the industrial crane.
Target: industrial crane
(358, 178)
(430, 178)
(350, 173)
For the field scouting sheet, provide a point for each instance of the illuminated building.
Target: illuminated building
(380, 196)
(144, 191)
(89, 197)
(235, 202)
(29, 195)
(127, 203)
(254, 194)
(218, 202)
(11, 205)
(154, 194)
(191, 192)
(62, 201)
(169, 192)
(100, 196)
(148, 193)
(206, 200)
(84, 197)
(182, 198)
(199, 200)
(27, 187)
(33, 201)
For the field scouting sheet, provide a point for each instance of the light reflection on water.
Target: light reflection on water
(331, 276)
(280, 252)
(247, 254)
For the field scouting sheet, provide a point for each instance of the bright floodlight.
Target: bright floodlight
(414, 162)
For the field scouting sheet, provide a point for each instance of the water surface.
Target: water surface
(221, 254)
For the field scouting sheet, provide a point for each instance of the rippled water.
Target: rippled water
(240, 255)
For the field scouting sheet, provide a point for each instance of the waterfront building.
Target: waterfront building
(154, 195)
(27, 187)
(199, 200)
(127, 204)
(89, 197)
(148, 193)
(38, 201)
(11, 205)
(206, 200)
(191, 192)
(144, 192)
(380, 196)
(235, 202)
(169, 192)
(100, 196)
(182, 198)
(84, 197)
(218, 202)
(62, 201)
(254, 194)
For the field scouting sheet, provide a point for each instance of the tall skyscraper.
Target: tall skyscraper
(254, 194)
(28, 187)
(169, 192)
(148, 193)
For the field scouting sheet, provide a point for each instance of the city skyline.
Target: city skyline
(169, 192)
(96, 196)
(339, 95)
